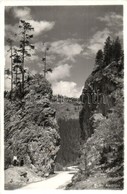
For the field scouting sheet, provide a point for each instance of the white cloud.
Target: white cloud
(114, 22)
(7, 57)
(34, 57)
(120, 34)
(50, 58)
(97, 41)
(59, 72)
(25, 14)
(61, 87)
(8, 54)
(41, 26)
(22, 13)
(66, 48)
(66, 88)
(11, 31)
(112, 19)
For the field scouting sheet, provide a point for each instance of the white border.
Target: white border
(4, 3)
(2, 62)
(63, 2)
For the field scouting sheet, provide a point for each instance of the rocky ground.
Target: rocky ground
(16, 177)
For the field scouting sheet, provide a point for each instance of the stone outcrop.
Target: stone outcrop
(31, 130)
(101, 122)
(99, 95)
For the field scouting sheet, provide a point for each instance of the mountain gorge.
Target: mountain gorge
(46, 132)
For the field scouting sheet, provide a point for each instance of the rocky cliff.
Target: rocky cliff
(100, 93)
(31, 130)
(101, 122)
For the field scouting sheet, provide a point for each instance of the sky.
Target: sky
(73, 34)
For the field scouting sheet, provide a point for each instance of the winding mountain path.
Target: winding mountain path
(59, 181)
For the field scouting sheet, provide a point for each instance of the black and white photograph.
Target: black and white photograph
(63, 97)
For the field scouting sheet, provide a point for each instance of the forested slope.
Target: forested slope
(67, 115)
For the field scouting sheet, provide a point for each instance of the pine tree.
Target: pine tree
(99, 58)
(16, 66)
(108, 51)
(116, 50)
(122, 57)
(25, 44)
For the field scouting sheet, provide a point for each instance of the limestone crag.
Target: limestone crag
(31, 130)
(102, 125)
(99, 95)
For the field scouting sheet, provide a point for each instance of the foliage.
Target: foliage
(112, 51)
(8, 158)
(105, 147)
(99, 58)
(108, 51)
(102, 158)
(58, 167)
(116, 50)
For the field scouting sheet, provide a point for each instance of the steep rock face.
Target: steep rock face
(31, 130)
(101, 122)
(99, 95)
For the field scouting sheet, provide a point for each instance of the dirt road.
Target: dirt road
(59, 181)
